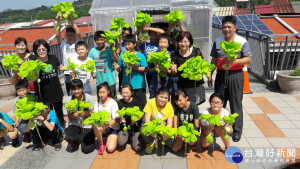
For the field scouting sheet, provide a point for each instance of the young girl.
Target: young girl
(50, 86)
(134, 132)
(216, 108)
(158, 107)
(76, 133)
(107, 103)
(49, 130)
(184, 111)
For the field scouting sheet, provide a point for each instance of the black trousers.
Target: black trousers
(58, 108)
(46, 135)
(232, 93)
(74, 135)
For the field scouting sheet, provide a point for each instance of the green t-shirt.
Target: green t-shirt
(188, 115)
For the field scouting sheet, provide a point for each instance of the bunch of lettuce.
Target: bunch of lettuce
(161, 58)
(72, 66)
(64, 9)
(212, 120)
(111, 37)
(11, 61)
(117, 24)
(97, 119)
(77, 106)
(133, 112)
(229, 120)
(31, 69)
(230, 49)
(142, 19)
(89, 66)
(130, 58)
(195, 67)
(26, 108)
(150, 127)
(174, 16)
(187, 132)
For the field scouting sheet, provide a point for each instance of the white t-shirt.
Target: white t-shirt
(206, 111)
(83, 75)
(111, 107)
(68, 51)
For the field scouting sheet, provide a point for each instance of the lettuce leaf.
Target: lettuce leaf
(97, 118)
(64, 9)
(174, 16)
(11, 61)
(130, 57)
(230, 49)
(117, 24)
(111, 37)
(161, 58)
(187, 132)
(142, 19)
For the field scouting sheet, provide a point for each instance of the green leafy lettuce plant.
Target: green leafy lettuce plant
(212, 120)
(11, 61)
(296, 72)
(230, 49)
(187, 132)
(117, 24)
(142, 19)
(111, 37)
(174, 16)
(89, 66)
(162, 58)
(130, 58)
(77, 106)
(72, 66)
(230, 121)
(64, 9)
(133, 112)
(31, 69)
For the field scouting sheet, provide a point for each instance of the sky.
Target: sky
(28, 4)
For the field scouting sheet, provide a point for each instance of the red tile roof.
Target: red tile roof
(44, 22)
(264, 9)
(282, 6)
(293, 22)
(277, 28)
(241, 11)
(83, 19)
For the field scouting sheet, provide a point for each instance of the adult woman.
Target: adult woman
(194, 89)
(50, 87)
(134, 131)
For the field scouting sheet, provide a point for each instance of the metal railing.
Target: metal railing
(54, 50)
(270, 53)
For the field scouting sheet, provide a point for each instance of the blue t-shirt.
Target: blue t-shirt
(138, 80)
(149, 48)
(7, 119)
(53, 119)
(104, 65)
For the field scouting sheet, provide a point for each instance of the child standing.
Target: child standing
(7, 129)
(76, 133)
(105, 58)
(82, 50)
(106, 103)
(137, 80)
(67, 46)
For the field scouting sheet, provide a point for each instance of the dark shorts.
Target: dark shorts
(110, 131)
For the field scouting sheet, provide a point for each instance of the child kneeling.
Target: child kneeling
(7, 129)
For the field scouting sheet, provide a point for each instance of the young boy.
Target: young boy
(82, 50)
(137, 80)
(50, 129)
(76, 133)
(22, 90)
(105, 58)
(7, 129)
(67, 46)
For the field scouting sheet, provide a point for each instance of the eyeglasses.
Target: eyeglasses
(41, 50)
(216, 103)
(183, 42)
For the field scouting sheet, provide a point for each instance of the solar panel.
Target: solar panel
(257, 22)
(268, 32)
(262, 27)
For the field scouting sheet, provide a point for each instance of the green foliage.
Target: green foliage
(111, 37)
(89, 66)
(130, 58)
(117, 24)
(195, 67)
(156, 127)
(97, 118)
(74, 105)
(142, 19)
(209, 139)
(296, 72)
(64, 9)
(121, 112)
(72, 66)
(11, 61)
(134, 112)
(230, 49)
(230, 119)
(26, 108)
(174, 16)
(187, 132)
(150, 127)
(211, 119)
(31, 69)
(161, 58)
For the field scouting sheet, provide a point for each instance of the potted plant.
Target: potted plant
(289, 80)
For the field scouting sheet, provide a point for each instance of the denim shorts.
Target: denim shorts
(23, 126)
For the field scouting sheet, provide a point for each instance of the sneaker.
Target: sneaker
(150, 147)
(37, 147)
(15, 142)
(194, 146)
(57, 146)
(101, 150)
(2, 142)
(27, 138)
(74, 147)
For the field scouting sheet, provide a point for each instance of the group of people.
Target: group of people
(173, 98)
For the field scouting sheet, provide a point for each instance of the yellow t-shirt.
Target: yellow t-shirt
(156, 112)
